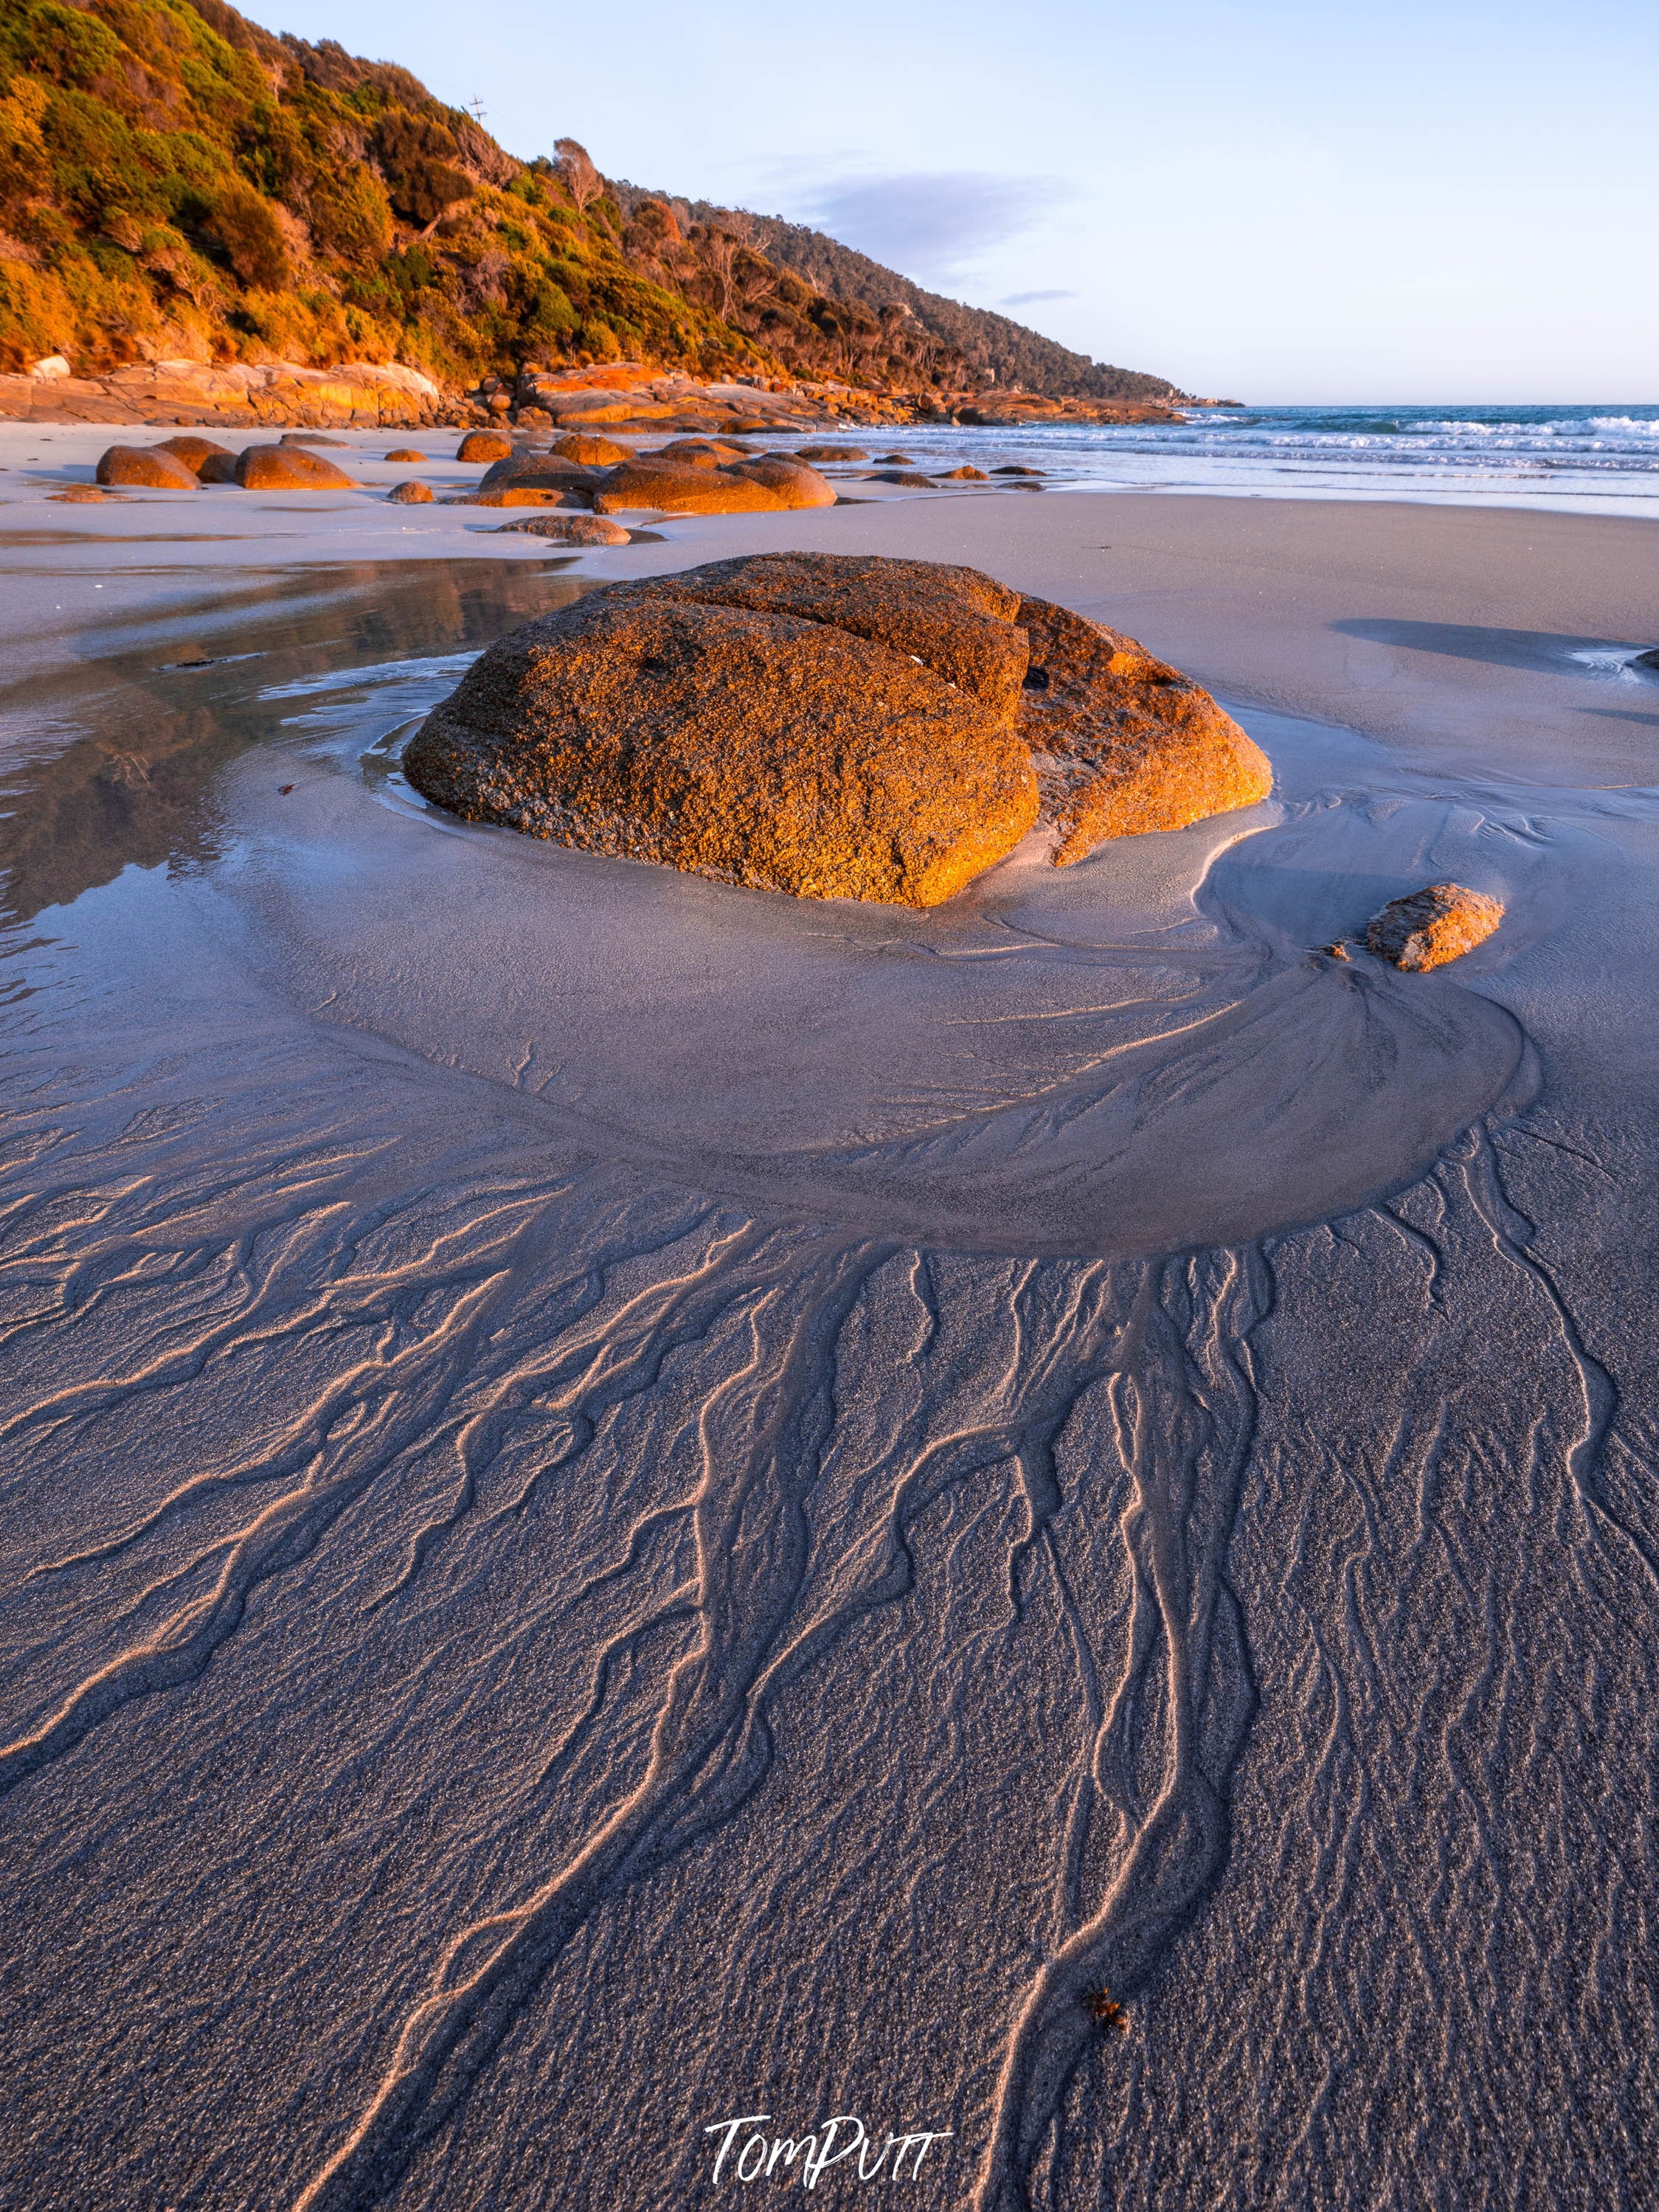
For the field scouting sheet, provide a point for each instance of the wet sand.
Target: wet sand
(634, 1503)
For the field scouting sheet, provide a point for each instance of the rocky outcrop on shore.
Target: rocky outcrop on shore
(834, 726)
(624, 396)
(233, 397)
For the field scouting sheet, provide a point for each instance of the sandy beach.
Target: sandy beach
(636, 1505)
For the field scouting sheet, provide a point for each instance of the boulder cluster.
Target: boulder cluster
(183, 463)
(688, 476)
(834, 726)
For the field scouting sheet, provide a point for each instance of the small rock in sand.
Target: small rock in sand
(148, 466)
(286, 467)
(483, 445)
(412, 494)
(908, 478)
(894, 461)
(405, 454)
(308, 438)
(80, 495)
(570, 529)
(830, 453)
(1015, 469)
(1429, 927)
(977, 476)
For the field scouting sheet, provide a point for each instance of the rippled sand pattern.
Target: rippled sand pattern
(521, 1645)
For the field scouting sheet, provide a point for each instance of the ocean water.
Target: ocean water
(1600, 459)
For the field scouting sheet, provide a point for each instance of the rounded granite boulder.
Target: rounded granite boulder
(147, 467)
(194, 452)
(484, 445)
(590, 450)
(289, 468)
(405, 454)
(664, 488)
(412, 494)
(831, 725)
(757, 747)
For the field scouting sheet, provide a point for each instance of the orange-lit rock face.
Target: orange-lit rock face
(193, 451)
(645, 485)
(758, 748)
(146, 466)
(832, 724)
(590, 450)
(289, 468)
(413, 494)
(1432, 925)
(1123, 743)
(483, 445)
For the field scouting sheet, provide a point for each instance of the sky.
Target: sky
(1289, 202)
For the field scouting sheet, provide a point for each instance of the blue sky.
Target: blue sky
(1287, 201)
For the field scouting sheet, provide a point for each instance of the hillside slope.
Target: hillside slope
(177, 184)
(981, 346)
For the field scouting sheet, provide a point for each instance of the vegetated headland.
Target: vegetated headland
(200, 221)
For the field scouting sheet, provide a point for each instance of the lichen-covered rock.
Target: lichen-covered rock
(412, 494)
(756, 747)
(147, 466)
(570, 529)
(288, 468)
(483, 445)
(954, 620)
(650, 486)
(193, 451)
(1123, 742)
(1429, 927)
(833, 724)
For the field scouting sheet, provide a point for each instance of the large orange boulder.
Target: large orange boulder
(1122, 742)
(1431, 926)
(758, 748)
(483, 445)
(289, 468)
(193, 451)
(665, 488)
(148, 466)
(832, 724)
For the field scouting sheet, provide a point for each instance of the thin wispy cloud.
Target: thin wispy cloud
(932, 225)
(1032, 299)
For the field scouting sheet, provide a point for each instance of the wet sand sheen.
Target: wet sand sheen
(648, 1495)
